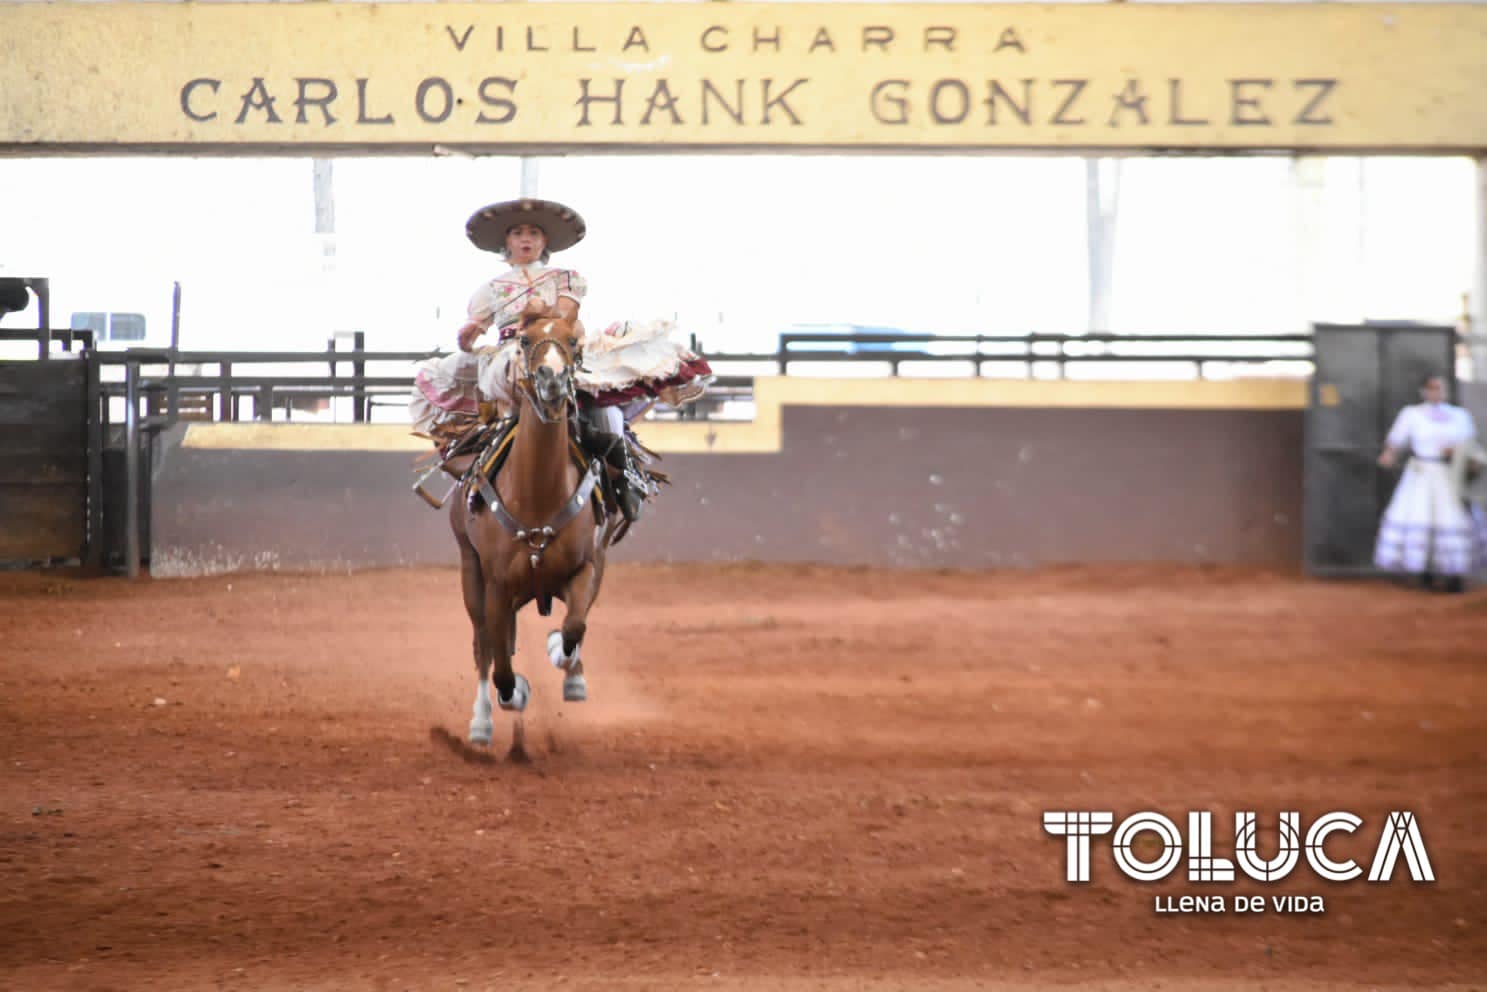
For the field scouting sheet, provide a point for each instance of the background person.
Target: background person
(1427, 530)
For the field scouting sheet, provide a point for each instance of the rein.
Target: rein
(524, 380)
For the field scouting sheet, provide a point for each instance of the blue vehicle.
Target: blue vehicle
(838, 338)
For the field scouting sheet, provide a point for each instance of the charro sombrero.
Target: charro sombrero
(487, 226)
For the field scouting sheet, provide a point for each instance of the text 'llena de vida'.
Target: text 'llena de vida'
(1149, 847)
(1010, 97)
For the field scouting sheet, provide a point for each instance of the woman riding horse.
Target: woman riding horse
(627, 366)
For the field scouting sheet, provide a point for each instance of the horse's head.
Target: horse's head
(549, 358)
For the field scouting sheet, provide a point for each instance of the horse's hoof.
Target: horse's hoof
(575, 689)
(555, 653)
(481, 732)
(519, 696)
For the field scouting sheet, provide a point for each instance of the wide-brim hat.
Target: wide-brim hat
(487, 226)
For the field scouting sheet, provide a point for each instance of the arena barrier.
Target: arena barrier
(898, 472)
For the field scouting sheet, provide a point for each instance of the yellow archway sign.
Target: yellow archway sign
(519, 77)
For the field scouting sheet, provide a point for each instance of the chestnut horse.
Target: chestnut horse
(532, 534)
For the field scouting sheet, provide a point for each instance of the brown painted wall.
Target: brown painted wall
(963, 487)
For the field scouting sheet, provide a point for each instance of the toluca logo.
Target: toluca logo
(1401, 833)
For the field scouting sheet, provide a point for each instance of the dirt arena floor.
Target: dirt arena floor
(786, 778)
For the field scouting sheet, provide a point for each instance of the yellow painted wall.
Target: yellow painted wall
(762, 435)
(528, 76)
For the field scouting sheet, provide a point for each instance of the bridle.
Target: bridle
(531, 353)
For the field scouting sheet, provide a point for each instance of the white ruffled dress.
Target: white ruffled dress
(1427, 526)
(623, 362)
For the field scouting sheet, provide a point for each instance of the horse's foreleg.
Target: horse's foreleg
(512, 691)
(563, 649)
(473, 584)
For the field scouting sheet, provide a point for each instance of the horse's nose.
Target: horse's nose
(549, 387)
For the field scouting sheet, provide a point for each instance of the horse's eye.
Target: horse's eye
(573, 342)
(526, 341)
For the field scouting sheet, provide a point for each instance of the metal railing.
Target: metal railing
(212, 384)
(1059, 350)
(218, 394)
(43, 334)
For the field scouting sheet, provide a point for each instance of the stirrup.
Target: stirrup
(424, 493)
(630, 489)
(628, 484)
(629, 499)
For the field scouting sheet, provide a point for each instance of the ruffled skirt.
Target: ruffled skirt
(454, 386)
(1428, 529)
(632, 360)
(624, 364)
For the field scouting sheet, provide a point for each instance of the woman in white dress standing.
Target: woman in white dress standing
(1427, 529)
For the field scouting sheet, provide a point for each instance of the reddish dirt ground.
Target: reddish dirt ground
(791, 778)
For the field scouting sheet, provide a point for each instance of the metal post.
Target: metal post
(332, 345)
(43, 290)
(174, 394)
(131, 469)
(97, 403)
(226, 408)
(175, 320)
(360, 406)
(528, 176)
(1478, 328)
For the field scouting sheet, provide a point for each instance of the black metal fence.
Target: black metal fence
(289, 385)
(1060, 351)
(212, 385)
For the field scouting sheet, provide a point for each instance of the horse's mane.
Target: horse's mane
(528, 319)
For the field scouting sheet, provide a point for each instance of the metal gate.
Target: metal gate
(50, 461)
(1363, 375)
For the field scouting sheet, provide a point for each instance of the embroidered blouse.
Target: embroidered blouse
(1427, 429)
(502, 300)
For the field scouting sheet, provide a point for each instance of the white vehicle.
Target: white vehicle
(120, 313)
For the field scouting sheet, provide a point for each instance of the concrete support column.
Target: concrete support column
(1477, 305)
(1308, 212)
(1102, 215)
